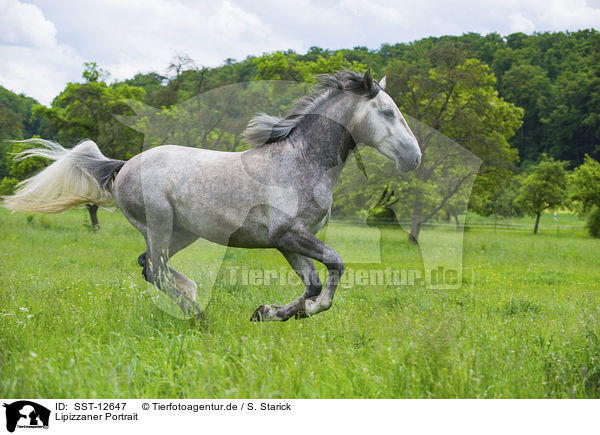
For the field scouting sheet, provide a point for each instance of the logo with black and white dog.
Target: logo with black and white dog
(25, 414)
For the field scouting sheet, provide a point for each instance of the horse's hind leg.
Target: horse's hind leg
(307, 272)
(161, 243)
(179, 241)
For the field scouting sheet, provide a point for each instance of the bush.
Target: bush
(593, 223)
(7, 186)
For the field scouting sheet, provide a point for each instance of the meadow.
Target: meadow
(77, 320)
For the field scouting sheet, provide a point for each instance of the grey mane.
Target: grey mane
(264, 129)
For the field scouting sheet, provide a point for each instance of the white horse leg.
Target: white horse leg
(160, 239)
(180, 240)
(183, 283)
(306, 271)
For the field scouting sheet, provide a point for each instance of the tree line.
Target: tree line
(518, 102)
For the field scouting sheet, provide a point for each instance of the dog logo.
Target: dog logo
(26, 414)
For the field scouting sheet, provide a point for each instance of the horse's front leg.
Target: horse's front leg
(299, 240)
(306, 271)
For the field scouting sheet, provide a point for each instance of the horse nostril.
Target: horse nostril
(418, 160)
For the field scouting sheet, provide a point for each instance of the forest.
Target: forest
(528, 106)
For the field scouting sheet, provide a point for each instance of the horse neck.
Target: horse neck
(323, 136)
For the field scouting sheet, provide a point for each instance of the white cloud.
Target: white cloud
(25, 25)
(41, 74)
(373, 11)
(518, 23)
(133, 36)
(569, 14)
(31, 60)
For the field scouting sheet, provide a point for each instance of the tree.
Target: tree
(19, 170)
(574, 115)
(86, 110)
(93, 73)
(178, 65)
(15, 123)
(503, 204)
(545, 187)
(288, 66)
(555, 78)
(529, 87)
(456, 97)
(585, 193)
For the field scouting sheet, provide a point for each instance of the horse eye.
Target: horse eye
(388, 113)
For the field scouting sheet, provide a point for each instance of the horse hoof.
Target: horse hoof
(262, 313)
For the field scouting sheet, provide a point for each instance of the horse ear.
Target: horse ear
(369, 81)
(382, 83)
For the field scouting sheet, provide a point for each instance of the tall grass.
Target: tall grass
(77, 320)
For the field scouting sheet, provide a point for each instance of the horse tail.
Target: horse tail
(81, 175)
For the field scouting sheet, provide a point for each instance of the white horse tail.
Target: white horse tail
(81, 175)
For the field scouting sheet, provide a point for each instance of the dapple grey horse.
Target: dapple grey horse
(275, 195)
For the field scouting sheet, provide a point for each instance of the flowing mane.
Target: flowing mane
(263, 129)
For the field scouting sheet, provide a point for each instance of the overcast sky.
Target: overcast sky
(43, 43)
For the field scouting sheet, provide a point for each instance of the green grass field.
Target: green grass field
(77, 320)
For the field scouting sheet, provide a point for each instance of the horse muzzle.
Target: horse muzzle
(408, 164)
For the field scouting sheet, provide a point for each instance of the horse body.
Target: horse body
(276, 195)
(221, 196)
(193, 209)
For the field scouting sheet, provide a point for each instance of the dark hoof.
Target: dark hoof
(262, 312)
(142, 259)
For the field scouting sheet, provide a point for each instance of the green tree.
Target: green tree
(456, 97)
(503, 204)
(529, 87)
(572, 122)
(93, 73)
(585, 193)
(555, 78)
(545, 187)
(19, 170)
(86, 110)
(7, 186)
(288, 66)
(15, 123)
